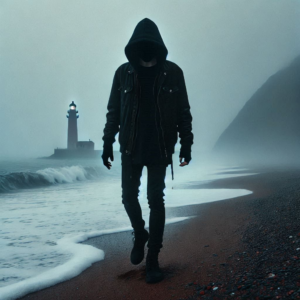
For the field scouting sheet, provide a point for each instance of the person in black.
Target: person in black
(147, 53)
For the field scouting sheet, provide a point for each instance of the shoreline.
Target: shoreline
(223, 223)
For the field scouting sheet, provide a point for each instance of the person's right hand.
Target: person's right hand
(107, 153)
(185, 152)
(183, 163)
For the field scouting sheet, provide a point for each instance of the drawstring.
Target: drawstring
(172, 169)
(130, 156)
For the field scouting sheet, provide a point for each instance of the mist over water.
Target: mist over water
(55, 52)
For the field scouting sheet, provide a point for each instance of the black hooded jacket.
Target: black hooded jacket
(173, 109)
(146, 41)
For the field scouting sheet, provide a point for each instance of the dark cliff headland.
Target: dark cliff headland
(267, 129)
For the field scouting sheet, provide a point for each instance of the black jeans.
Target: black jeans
(131, 174)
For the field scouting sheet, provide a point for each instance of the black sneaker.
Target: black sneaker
(153, 272)
(137, 253)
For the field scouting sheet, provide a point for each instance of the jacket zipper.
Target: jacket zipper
(137, 117)
(161, 124)
(130, 140)
(156, 120)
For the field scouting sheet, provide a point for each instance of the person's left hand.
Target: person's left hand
(182, 164)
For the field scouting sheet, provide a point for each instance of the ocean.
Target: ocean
(49, 206)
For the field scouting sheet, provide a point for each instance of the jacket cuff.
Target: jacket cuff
(185, 149)
(107, 145)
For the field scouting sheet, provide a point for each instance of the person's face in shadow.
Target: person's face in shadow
(146, 51)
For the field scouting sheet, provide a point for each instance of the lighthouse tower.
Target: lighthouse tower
(72, 126)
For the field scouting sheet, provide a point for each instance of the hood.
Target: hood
(145, 31)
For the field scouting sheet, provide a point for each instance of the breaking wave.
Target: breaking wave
(49, 176)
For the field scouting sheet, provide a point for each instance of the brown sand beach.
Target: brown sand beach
(241, 248)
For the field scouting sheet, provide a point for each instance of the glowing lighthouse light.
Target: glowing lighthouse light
(73, 107)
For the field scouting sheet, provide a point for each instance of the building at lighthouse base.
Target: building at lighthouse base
(83, 150)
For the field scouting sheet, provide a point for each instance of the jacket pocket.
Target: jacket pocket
(125, 89)
(170, 89)
(126, 94)
(128, 89)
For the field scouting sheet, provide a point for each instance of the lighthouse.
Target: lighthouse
(72, 126)
(76, 149)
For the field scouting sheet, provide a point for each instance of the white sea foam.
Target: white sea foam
(184, 197)
(83, 256)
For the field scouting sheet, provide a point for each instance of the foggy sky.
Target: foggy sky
(56, 51)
